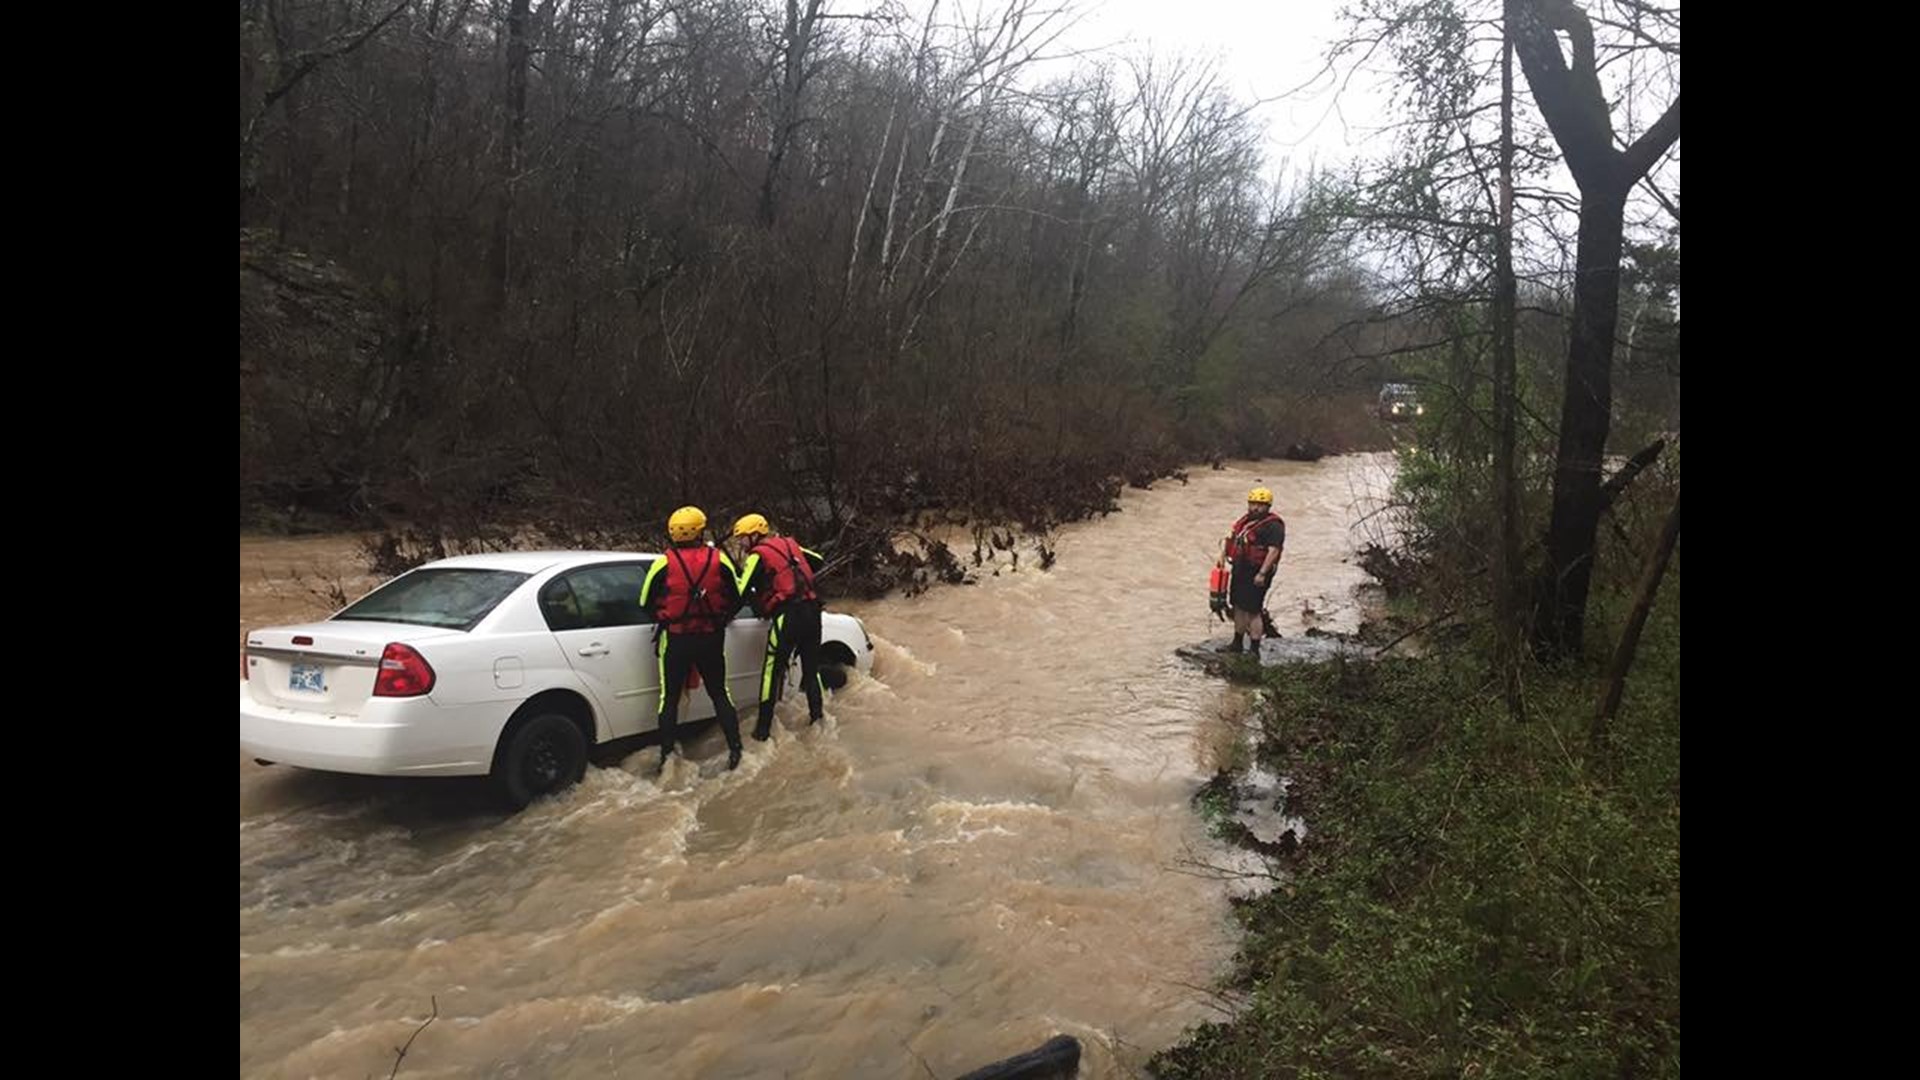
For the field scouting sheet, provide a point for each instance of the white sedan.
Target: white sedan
(509, 665)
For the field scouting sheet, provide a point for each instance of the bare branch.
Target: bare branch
(314, 60)
(400, 1053)
(1647, 149)
(1671, 207)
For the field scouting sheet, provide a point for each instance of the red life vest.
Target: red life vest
(791, 578)
(1240, 545)
(696, 600)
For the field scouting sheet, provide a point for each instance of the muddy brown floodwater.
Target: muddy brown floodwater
(987, 843)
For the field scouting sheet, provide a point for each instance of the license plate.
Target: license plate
(306, 677)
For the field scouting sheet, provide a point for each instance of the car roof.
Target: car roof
(532, 562)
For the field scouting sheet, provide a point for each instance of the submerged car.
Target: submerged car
(1400, 401)
(510, 665)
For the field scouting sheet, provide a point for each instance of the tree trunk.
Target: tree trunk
(1636, 621)
(1586, 413)
(514, 128)
(1506, 559)
(866, 203)
(795, 52)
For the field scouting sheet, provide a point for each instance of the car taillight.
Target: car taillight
(403, 673)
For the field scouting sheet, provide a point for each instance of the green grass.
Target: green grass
(1479, 897)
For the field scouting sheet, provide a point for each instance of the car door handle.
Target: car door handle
(595, 649)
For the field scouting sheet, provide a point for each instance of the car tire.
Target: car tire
(833, 676)
(544, 755)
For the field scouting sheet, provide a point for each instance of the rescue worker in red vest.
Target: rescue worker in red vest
(1253, 548)
(777, 578)
(692, 591)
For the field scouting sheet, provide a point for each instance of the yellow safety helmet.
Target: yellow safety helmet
(686, 523)
(1260, 495)
(752, 525)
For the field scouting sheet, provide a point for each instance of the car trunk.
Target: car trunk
(324, 667)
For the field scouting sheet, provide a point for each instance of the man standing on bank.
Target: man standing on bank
(1253, 548)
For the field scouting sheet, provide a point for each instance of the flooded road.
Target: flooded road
(986, 843)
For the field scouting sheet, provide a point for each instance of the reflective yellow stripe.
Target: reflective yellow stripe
(773, 652)
(646, 586)
(661, 652)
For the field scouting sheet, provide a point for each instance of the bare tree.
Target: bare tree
(1566, 86)
(551, 256)
(1466, 252)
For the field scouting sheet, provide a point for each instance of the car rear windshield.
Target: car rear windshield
(452, 598)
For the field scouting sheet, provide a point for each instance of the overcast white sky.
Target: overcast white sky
(1265, 50)
(1271, 52)
(1275, 53)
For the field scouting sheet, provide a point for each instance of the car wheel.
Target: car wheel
(833, 676)
(544, 755)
